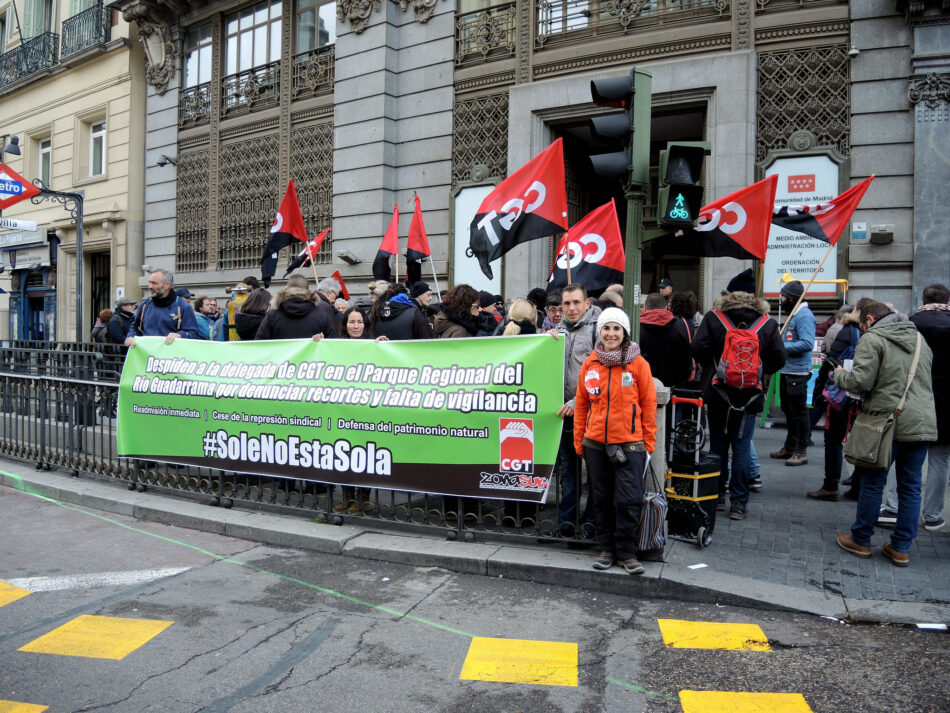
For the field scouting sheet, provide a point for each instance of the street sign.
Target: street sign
(16, 224)
(13, 187)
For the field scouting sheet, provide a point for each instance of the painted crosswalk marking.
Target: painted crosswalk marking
(17, 707)
(548, 663)
(95, 579)
(742, 702)
(100, 637)
(680, 634)
(10, 592)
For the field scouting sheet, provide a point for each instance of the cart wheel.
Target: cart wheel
(701, 538)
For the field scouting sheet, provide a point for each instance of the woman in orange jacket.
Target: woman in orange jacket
(615, 429)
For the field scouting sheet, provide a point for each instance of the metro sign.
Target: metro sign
(14, 188)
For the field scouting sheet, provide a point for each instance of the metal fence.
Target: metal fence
(58, 410)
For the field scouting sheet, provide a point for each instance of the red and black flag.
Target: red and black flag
(530, 204)
(288, 226)
(382, 268)
(735, 226)
(826, 221)
(418, 248)
(344, 293)
(307, 255)
(594, 250)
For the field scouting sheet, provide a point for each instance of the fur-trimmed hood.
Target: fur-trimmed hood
(852, 317)
(293, 293)
(741, 300)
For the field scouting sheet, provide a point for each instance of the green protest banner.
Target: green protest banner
(475, 417)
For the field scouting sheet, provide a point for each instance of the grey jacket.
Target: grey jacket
(579, 340)
(882, 362)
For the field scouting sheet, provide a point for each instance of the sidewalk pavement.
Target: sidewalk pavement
(782, 556)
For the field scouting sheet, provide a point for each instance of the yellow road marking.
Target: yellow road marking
(99, 637)
(679, 634)
(10, 593)
(744, 702)
(17, 707)
(549, 663)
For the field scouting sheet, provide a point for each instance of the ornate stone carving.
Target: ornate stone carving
(742, 22)
(356, 12)
(933, 90)
(802, 140)
(154, 22)
(422, 8)
(480, 139)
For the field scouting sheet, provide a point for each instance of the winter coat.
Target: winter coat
(843, 339)
(246, 325)
(881, 364)
(664, 343)
(100, 333)
(297, 315)
(743, 310)
(206, 326)
(399, 319)
(449, 325)
(119, 325)
(799, 340)
(615, 404)
(579, 340)
(160, 316)
(934, 326)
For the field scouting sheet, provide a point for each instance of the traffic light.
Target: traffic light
(680, 197)
(629, 129)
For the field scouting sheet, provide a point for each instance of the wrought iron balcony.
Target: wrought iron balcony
(485, 34)
(87, 29)
(252, 89)
(34, 55)
(194, 105)
(314, 72)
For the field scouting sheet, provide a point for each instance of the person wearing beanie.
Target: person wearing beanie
(488, 317)
(614, 430)
(799, 340)
(421, 297)
(664, 342)
(743, 282)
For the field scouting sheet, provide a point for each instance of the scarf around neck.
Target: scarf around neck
(617, 357)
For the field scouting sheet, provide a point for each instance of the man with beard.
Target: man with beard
(163, 313)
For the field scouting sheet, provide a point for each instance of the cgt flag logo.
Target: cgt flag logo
(516, 445)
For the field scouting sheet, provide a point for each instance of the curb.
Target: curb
(544, 565)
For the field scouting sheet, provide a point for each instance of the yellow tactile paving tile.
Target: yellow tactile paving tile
(546, 663)
(9, 593)
(99, 637)
(17, 707)
(680, 634)
(742, 702)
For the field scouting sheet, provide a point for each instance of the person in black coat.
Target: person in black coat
(664, 342)
(732, 415)
(395, 317)
(298, 314)
(248, 318)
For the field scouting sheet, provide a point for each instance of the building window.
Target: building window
(316, 25)
(253, 37)
(97, 148)
(39, 16)
(3, 31)
(197, 50)
(45, 160)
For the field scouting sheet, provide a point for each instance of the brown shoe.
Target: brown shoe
(782, 454)
(797, 459)
(821, 494)
(846, 543)
(901, 559)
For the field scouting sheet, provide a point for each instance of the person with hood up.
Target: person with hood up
(883, 362)
(614, 430)
(664, 342)
(297, 315)
(393, 316)
(458, 313)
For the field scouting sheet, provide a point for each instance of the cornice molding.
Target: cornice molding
(664, 50)
(490, 80)
(806, 30)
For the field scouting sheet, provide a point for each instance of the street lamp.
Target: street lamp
(11, 148)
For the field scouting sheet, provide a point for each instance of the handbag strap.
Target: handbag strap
(910, 377)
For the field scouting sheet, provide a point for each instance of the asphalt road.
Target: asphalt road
(159, 618)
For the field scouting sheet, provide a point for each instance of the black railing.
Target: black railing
(58, 410)
(194, 105)
(34, 55)
(86, 29)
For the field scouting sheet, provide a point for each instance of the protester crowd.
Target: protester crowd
(876, 363)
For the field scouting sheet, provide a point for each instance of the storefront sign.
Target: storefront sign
(20, 238)
(22, 258)
(804, 180)
(473, 417)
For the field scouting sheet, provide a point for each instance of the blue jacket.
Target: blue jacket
(799, 340)
(206, 325)
(153, 321)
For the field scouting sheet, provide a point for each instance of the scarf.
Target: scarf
(935, 307)
(617, 357)
(166, 300)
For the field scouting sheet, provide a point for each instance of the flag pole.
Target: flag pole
(434, 278)
(567, 255)
(805, 291)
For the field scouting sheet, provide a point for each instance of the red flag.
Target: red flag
(824, 222)
(530, 204)
(594, 248)
(418, 247)
(344, 293)
(389, 247)
(307, 255)
(288, 226)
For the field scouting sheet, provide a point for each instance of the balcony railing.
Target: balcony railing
(251, 89)
(34, 55)
(87, 29)
(314, 72)
(485, 34)
(194, 105)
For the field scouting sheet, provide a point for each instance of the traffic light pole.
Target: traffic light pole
(633, 247)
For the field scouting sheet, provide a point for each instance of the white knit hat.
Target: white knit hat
(613, 314)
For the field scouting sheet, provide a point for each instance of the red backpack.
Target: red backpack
(740, 365)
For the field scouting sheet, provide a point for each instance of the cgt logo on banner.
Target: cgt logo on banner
(515, 458)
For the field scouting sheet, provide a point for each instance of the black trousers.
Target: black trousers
(618, 500)
(793, 392)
